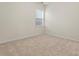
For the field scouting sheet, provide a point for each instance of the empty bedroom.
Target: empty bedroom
(39, 28)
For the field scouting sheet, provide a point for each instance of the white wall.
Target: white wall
(17, 20)
(62, 19)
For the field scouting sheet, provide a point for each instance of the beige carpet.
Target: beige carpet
(42, 45)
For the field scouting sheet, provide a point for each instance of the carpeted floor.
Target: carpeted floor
(42, 45)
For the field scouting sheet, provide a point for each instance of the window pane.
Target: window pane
(39, 17)
(39, 14)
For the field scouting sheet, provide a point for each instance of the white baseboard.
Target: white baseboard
(18, 38)
(29, 36)
(63, 37)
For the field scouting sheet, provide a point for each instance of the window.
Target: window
(39, 17)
